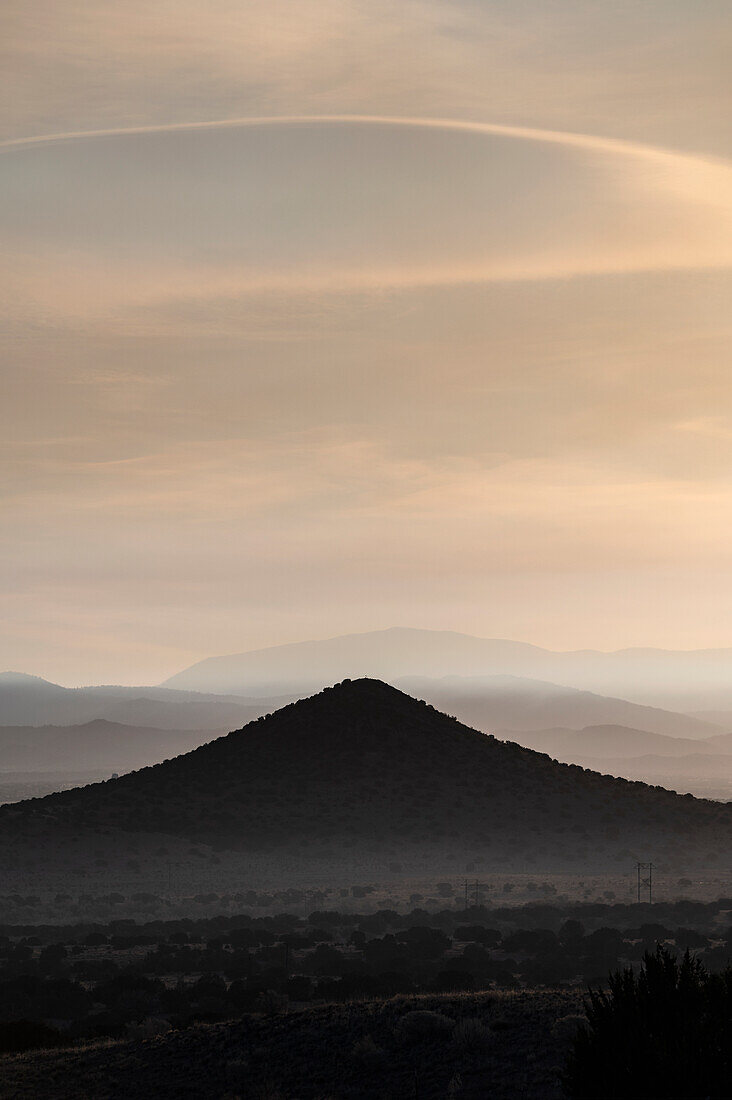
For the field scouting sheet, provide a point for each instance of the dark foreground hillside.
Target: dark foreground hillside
(363, 768)
(467, 1046)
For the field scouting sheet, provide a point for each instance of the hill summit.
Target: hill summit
(362, 767)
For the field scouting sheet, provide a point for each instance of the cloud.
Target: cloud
(656, 72)
(269, 378)
(121, 247)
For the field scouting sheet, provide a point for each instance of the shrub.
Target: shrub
(662, 1033)
(273, 1003)
(366, 1052)
(566, 1027)
(148, 1028)
(423, 1026)
(471, 1036)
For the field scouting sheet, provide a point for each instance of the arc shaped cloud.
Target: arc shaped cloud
(703, 185)
(652, 155)
(530, 133)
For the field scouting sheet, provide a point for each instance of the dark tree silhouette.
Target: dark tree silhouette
(663, 1034)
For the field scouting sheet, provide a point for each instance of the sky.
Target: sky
(324, 316)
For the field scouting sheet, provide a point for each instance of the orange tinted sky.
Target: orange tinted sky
(287, 380)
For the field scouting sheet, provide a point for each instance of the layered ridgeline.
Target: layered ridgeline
(30, 701)
(686, 681)
(100, 745)
(363, 772)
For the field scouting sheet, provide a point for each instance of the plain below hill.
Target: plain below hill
(362, 772)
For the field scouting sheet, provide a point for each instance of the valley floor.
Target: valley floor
(358, 1050)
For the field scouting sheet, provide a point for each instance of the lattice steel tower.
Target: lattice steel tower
(645, 881)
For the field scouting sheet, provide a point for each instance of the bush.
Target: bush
(566, 1027)
(661, 1034)
(273, 1003)
(423, 1026)
(366, 1052)
(148, 1028)
(471, 1036)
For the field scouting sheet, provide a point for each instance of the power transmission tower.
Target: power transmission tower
(645, 880)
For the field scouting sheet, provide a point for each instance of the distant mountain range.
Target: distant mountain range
(360, 772)
(676, 680)
(31, 701)
(46, 728)
(489, 684)
(97, 746)
(487, 701)
(512, 702)
(617, 741)
(703, 767)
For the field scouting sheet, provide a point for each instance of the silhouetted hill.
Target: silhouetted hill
(23, 697)
(364, 767)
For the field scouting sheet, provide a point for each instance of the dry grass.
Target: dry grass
(356, 1050)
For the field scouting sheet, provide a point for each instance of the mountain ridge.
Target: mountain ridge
(488, 702)
(644, 674)
(100, 745)
(363, 767)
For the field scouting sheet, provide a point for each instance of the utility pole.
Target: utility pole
(645, 880)
(466, 895)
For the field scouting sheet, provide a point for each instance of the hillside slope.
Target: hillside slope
(363, 767)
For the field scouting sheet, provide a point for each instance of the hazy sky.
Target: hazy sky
(350, 365)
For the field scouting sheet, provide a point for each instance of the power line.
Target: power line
(645, 880)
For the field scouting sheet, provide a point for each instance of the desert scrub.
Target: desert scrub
(273, 1003)
(471, 1036)
(423, 1026)
(565, 1028)
(148, 1028)
(367, 1053)
(672, 1022)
